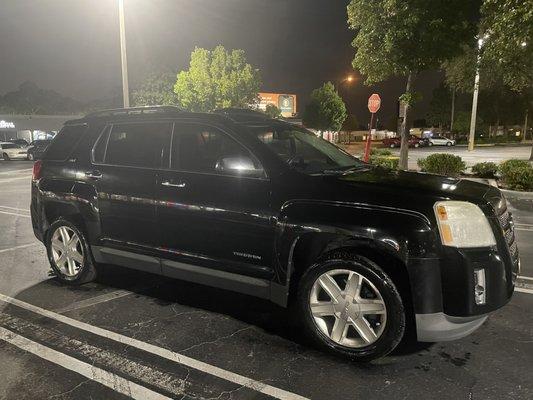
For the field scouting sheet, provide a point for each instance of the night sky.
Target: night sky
(73, 46)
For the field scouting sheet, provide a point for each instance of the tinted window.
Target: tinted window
(64, 142)
(10, 146)
(138, 145)
(98, 154)
(199, 148)
(302, 149)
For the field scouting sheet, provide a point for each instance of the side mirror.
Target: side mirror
(239, 165)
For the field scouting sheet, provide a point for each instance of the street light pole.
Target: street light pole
(123, 57)
(474, 99)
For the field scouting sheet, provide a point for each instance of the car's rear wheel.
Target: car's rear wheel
(430, 144)
(392, 145)
(69, 253)
(30, 156)
(448, 144)
(6, 156)
(417, 145)
(350, 307)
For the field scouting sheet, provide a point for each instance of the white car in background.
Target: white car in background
(440, 141)
(13, 151)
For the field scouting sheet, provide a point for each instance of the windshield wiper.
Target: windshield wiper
(343, 170)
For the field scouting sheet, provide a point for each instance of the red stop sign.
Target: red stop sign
(374, 103)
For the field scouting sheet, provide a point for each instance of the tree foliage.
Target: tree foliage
(405, 37)
(31, 99)
(272, 111)
(217, 79)
(350, 123)
(439, 113)
(508, 25)
(156, 89)
(326, 110)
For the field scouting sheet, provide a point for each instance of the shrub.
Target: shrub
(389, 162)
(442, 164)
(380, 152)
(517, 174)
(485, 170)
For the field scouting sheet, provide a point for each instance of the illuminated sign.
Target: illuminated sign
(285, 102)
(7, 125)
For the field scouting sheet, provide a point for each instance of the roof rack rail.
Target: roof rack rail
(241, 111)
(135, 111)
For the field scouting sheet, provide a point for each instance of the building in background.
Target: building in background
(285, 102)
(31, 127)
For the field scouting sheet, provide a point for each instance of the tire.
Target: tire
(392, 145)
(6, 157)
(430, 144)
(417, 145)
(83, 269)
(448, 144)
(378, 289)
(30, 156)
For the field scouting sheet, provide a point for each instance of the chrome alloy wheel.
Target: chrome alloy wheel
(67, 251)
(347, 308)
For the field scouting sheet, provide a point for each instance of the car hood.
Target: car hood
(402, 188)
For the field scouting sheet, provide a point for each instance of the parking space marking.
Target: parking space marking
(108, 379)
(15, 179)
(117, 294)
(22, 246)
(17, 171)
(159, 351)
(527, 278)
(523, 290)
(16, 209)
(18, 215)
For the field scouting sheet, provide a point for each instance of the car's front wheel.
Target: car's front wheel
(6, 156)
(350, 306)
(392, 145)
(69, 253)
(30, 156)
(448, 144)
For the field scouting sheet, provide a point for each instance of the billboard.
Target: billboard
(285, 102)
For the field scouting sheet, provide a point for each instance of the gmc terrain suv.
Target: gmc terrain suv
(236, 200)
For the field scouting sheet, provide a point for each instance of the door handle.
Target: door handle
(177, 185)
(93, 175)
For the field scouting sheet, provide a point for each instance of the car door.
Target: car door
(214, 204)
(124, 165)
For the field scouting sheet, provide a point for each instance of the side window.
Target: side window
(64, 142)
(98, 152)
(200, 148)
(136, 144)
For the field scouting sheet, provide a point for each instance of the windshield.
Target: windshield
(303, 150)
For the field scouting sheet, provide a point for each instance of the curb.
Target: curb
(514, 194)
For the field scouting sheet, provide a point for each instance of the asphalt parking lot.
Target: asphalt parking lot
(133, 335)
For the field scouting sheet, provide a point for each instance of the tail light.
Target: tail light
(36, 174)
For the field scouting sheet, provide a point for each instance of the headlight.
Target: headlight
(463, 224)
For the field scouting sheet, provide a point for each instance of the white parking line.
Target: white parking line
(22, 246)
(161, 352)
(16, 209)
(15, 179)
(115, 382)
(117, 294)
(18, 215)
(523, 290)
(528, 278)
(17, 171)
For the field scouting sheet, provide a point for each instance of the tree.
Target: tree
(404, 38)
(217, 79)
(272, 111)
(439, 113)
(326, 111)
(156, 89)
(350, 123)
(31, 99)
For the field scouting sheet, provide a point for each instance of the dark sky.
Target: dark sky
(72, 46)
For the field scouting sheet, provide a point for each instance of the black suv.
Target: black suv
(236, 200)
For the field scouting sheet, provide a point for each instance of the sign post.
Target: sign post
(374, 103)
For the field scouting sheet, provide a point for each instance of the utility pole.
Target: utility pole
(453, 110)
(474, 99)
(123, 57)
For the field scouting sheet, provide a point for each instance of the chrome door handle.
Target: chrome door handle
(93, 174)
(170, 184)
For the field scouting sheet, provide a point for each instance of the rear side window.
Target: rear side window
(64, 142)
(137, 145)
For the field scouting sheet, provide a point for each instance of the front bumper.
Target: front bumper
(439, 327)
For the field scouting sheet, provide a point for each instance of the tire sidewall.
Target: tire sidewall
(88, 270)
(395, 324)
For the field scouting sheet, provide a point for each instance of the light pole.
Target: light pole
(474, 97)
(123, 57)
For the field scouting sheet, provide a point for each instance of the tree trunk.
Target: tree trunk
(404, 128)
(525, 125)
(453, 110)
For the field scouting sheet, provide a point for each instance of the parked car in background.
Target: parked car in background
(12, 151)
(440, 141)
(21, 142)
(414, 141)
(37, 148)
